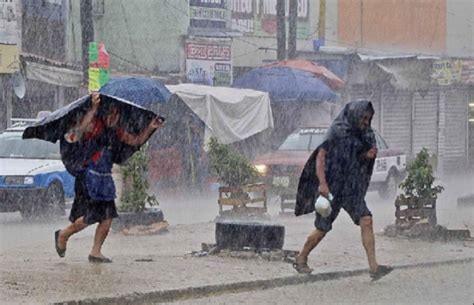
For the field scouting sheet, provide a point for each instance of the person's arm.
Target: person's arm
(139, 139)
(85, 123)
(372, 153)
(320, 172)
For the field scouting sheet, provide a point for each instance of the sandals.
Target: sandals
(99, 260)
(302, 267)
(61, 252)
(381, 272)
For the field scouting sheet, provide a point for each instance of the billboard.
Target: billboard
(209, 62)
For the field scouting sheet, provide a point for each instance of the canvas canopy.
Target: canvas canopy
(229, 114)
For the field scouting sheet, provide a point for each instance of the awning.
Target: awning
(53, 75)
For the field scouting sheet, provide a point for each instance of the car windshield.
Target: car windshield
(13, 146)
(304, 139)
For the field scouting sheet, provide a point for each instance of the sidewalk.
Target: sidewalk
(36, 275)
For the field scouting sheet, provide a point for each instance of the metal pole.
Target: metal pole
(322, 20)
(281, 30)
(292, 24)
(87, 31)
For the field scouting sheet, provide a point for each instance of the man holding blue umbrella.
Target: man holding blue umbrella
(88, 153)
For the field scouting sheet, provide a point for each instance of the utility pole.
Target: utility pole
(281, 30)
(292, 18)
(87, 33)
(322, 21)
(361, 23)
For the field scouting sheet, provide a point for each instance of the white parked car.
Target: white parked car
(33, 179)
(282, 168)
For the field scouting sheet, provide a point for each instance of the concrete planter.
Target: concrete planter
(240, 234)
(145, 218)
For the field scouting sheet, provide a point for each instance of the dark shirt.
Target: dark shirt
(345, 166)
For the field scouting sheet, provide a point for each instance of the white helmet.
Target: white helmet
(323, 205)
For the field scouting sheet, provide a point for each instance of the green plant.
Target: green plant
(229, 166)
(420, 179)
(135, 196)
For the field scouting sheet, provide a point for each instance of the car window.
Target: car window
(13, 146)
(304, 139)
(381, 144)
(296, 141)
(316, 140)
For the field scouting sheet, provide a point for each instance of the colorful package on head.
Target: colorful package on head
(93, 52)
(104, 60)
(94, 79)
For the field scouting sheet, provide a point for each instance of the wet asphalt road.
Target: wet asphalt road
(449, 284)
(188, 209)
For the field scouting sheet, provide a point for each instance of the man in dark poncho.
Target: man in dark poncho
(342, 166)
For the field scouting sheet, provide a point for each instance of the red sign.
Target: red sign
(208, 52)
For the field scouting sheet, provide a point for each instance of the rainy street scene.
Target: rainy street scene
(236, 152)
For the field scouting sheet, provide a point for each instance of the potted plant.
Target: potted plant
(238, 178)
(419, 193)
(136, 204)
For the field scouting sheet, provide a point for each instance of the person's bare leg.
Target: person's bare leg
(311, 242)
(368, 240)
(100, 235)
(71, 229)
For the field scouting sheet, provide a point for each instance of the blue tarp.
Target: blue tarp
(286, 84)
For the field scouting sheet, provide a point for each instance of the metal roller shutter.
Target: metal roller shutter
(425, 122)
(397, 119)
(455, 133)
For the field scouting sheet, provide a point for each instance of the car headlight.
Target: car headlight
(12, 180)
(261, 169)
(28, 180)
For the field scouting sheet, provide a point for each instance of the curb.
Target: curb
(173, 295)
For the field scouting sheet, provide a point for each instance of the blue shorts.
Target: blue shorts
(355, 206)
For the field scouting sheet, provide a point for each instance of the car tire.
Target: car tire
(389, 189)
(27, 211)
(55, 202)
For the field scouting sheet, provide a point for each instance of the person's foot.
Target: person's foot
(381, 271)
(301, 265)
(60, 250)
(99, 259)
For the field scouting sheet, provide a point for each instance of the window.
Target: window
(98, 7)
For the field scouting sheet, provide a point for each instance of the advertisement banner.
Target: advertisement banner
(447, 72)
(209, 62)
(212, 14)
(8, 22)
(258, 17)
(8, 58)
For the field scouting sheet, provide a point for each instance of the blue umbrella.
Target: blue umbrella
(139, 90)
(286, 84)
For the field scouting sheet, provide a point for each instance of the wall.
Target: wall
(393, 25)
(460, 28)
(141, 36)
(262, 33)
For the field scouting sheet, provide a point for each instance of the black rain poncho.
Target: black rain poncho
(347, 169)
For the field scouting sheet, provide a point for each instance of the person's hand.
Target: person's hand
(95, 98)
(372, 153)
(156, 123)
(324, 190)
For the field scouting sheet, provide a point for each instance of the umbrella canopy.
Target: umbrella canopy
(139, 90)
(320, 71)
(133, 118)
(286, 84)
